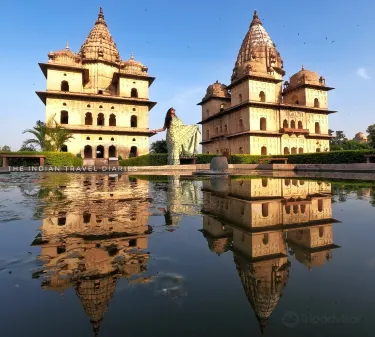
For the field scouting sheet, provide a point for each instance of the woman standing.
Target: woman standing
(181, 139)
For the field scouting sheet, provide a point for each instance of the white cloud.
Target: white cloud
(362, 72)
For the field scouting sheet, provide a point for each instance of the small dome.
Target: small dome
(134, 67)
(360, 136)
(304, 76)
(65, 56)
(217, 90)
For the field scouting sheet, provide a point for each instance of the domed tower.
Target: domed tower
(214, 103)
(102, 100)
(360, 137)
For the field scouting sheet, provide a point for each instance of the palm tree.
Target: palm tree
(48, 137)
(40, 132)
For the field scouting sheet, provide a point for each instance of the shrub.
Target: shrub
(334, 157)
(245, 159)
(119, 158)
(52, 159)
(157, 159)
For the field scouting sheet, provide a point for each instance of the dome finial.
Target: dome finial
(256, 20)
(303, 68)
(132, 56)
(67, 46)
(100, 16)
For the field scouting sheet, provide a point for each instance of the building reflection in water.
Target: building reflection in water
(262, 221)
(92, 236)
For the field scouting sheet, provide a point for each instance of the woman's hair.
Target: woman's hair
(168, 118)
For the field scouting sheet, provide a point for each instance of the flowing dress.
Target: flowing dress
(181, 140)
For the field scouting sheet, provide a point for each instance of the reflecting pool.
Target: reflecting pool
(119, 255)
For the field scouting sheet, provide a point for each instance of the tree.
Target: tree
(159, 146)
(5, 148)
(27, 147)
(48, 137)
(371, 135)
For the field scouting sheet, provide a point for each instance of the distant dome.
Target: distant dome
(304, 76)
(217, 90)
(65, 56)
(360, 136)
(134, 67)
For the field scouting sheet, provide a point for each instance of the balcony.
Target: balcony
(294, 130)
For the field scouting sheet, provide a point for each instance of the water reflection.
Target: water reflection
(96, 236)
(263, 221)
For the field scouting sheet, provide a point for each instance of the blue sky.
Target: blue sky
(189, 45)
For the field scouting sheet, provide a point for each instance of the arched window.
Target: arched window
(133, 152)
(64, 148)
(317, 128)
(241, 150)
(133, 121)
(100, 152)
(86, 217)
(221, 107)
(221, 126)
(240, 97)
(265, 239)
(264, 151)
(87, 151)
(87, 138)
(100, 92)
(64, 86)
(294, 150)
(295, 99)
(88, 105)
(287, 182)
(321, 232)
(217, 130)
(100, 119)
(88, 118)
(265, 182)
(207, 134)
(100, 138)
(263, 124)
(285, 124)
(262, 96)
(112, 120)
(134, 93)
(207, 112)
(287, 209)
(217, 151)
(208, 152)
(64, 104)
(112, 151)
(300, 150)
(265, 210)
(226, 128)
(64, 117)
(294, 182)
(112, 107)
(112, 139)
(292, 124)
(318, 149)
(286, 150)
(295, 209)
(320, 205)
(300, 126)
(61, 220)
(241, 124)
(316, 103)
(133, 139)
(303, 209)
(134, 109)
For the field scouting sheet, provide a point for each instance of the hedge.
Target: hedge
(334, 157)
(52, 159)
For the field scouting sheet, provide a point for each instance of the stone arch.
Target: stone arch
(88, 118)
(316, 103)
(64, 117)
(64, 86)
(100, 119)
(320, 205)
(262, 96)
(134, 93)
(317, 128)
(265, 182)
(292, 124)
(294, 150)
(285, 124)
(300, 150)
(265, 238)
(240, 98)
(241, 124)
(100, 151)
(264, 151)
(321, 232)
(286, 150)
(133, 121)
(133, 152)
(263, 124)
(87, 151)
(265, 207)
(112, 120)
(112, 151)
(300, 126)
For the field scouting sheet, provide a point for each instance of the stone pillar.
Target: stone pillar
(82, 153)
(41, 161)
(93, 152)
(106, 150)
(5, 162)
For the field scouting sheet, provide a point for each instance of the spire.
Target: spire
(132, 56)
(101, 17)
(67, 46)
(256, 20)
